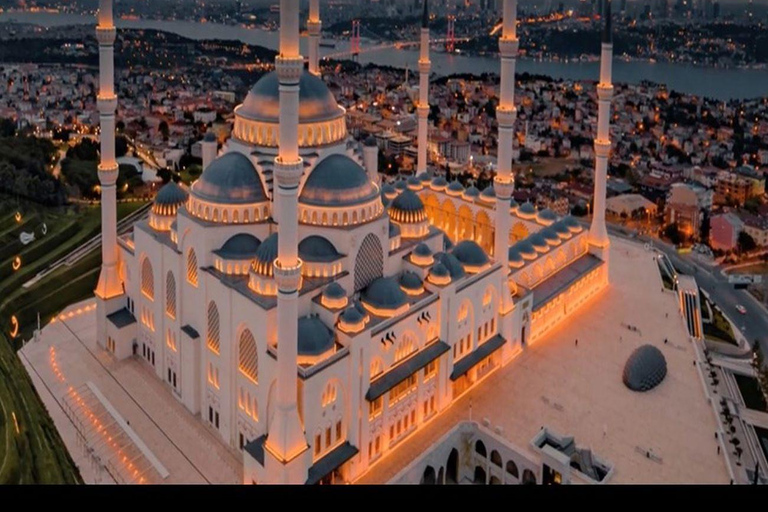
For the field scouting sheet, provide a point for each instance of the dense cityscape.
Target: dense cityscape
(684, 178)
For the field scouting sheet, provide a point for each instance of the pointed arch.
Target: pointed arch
(147, 279)
(369, 264)
(248, 356)
(170, 294)
(213, 338)
(192, 267)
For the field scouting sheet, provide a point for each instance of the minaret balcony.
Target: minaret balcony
(106, 35)
(425, 65)
(508, 47)
(289, 69)
(506, 116)
(106, 104)
(604, 92)
(314, 27)
(602, 148)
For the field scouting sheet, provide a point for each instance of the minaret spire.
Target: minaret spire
(506, 115)
(314, 26)
(598, 235)
(423, 107)
(286, 444)
(110, 285)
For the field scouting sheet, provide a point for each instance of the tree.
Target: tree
(745, 242)
(673, 233)
(164, 129)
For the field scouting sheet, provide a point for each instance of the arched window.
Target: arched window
(376, 368)
(405, 347)
(192, 267)
(496, 458)
(170, 295)
(329, 394)
(248, 356)
(147, 279)
(512, 469)
(369, 263)
(480, 448)
(214, 336)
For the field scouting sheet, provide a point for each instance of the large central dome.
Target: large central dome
(316, 102)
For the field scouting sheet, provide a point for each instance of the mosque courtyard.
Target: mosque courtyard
(665, 435)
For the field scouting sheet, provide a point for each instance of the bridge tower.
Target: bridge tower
(354, 41)
(450, 40)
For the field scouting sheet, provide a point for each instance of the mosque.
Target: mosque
(311, 316)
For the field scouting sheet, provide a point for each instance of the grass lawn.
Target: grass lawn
(36, 454)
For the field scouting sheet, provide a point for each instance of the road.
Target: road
(753, 324)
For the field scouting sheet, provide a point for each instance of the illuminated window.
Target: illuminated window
(147, 279)
(192, 267)
(405, 347)
(375, 407)
(376, 368)
(213, 339)
(248, 356)
(430, 370)
(402, 389)
(329, 395)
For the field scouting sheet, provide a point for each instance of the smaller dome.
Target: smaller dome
(411, 281)
(527, 209)
(573, 225)
(352, 315)
(370, 141)
(526, 249)
(242, 246)
(317, 249)
(422, 250)
(315, 338)
(562, 230)
(338, 181)
(472, 192)
(516, 259)
(539, 242)
(385, 201)
(394, 230)
(171, 194)
(551, 236)
(401, 185)
(210, 137)
(385, 293)
(455, 188)
(265, 256)
(469, 253)
(425, 177)
(547, 215)
(645, 368)
(439, 183)
(450, 262)
(388, 189)
(513, 206)
(439, 270)
(334, 291)
(414, 183)
(407, 208)
(488, 193)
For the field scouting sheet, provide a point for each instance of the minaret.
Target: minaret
(598, 235)
(506, 114)
(314, 26)
(288, 459)
(109, 288)
(423, 107)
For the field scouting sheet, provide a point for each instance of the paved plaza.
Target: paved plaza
(577, 390)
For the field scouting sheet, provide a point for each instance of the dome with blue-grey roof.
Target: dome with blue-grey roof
(455, 188)
(526, 249)
(265, 256)
(513, 206)
(239, 247)
(230, 179)
(167, 202)
(352, 315)
(334, 291)
(562, 230)
(389, 190)
(469, 253)
(546, 216)
(422, 250)
(472, 192)
(516, 259)
(411, 282)
(573, 224)
(407, 208)
(527, 209)
(539, 242)
(338, 181)
(488, 194)
(414, 183)
(439, 183)
(317, 249)
(551, 236)
(401, 185)
(439, 271)
(315, 338)
(425, 177)
(454, 266)
(384, 294)
(394, 230)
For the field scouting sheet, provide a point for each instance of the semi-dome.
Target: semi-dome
(488, 194)
(316, 101)
(645, 368)
(338, 181)
(411, 282)
(318, 249)
(315, 338)
(469, 253)
(472, 192)
(384, 294)
(171, 194)
(450, 262)
(231, 179)
(439, 183)
(265, 256)
(240, 247)
(407, 208)
(551, 236)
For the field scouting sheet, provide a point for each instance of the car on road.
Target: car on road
(741, 309)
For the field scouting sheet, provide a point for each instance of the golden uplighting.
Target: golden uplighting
(17, 216)
(14, 326)
(16, 263)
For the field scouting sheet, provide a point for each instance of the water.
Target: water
(721, 84)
